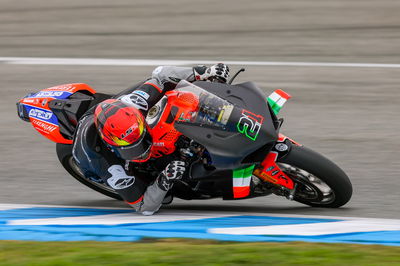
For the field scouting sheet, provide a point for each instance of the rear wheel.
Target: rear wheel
(319, 182)
(64, 153)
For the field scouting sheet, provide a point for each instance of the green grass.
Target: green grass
(193, 252)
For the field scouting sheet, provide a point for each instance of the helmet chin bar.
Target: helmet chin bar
(145, 155)
(140, 151)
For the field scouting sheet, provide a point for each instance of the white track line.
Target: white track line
(120, 218)
(11, 206)
(314, 229)
(155, 62)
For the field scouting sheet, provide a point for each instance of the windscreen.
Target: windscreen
(212, 111)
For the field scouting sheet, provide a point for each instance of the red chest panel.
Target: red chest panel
(180, 106)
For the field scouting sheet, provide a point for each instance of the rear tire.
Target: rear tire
(64, 153)
(308, 168)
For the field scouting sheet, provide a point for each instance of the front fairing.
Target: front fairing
(231, 127)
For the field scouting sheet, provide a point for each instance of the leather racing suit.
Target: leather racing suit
(96, 160)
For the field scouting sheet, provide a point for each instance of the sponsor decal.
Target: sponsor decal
(41, 114)
(281, 147)
(133, 128)
(158, 144)
(43, 94)
(67, 88)
(145, 95)
(119, 179)
(45, 127)
(129, 131)
(264, 176)
(34, 101)
(136, 101)
(274, 172)
(157, 70)
(270, 168)
(250, 124)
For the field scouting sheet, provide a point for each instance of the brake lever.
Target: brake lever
(237, 73)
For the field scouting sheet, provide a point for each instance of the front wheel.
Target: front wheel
(319, 182)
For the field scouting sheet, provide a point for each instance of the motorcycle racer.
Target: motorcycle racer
(115, 133)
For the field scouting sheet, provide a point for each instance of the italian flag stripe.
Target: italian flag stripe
(241, 192)
(241, 181)
(238, 173)
(277, 99)
(283, 94)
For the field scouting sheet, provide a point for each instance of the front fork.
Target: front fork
(270, 172)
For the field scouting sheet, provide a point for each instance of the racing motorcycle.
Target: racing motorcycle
(228, 134)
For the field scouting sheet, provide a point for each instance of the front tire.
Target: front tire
(64, 153)
(320, 182)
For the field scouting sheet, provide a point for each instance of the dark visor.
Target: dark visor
(134, 151)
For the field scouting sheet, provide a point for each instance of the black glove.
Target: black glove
(174, 171)
(219, 72)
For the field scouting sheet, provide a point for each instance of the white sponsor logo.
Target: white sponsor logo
(36, 113)
(129, 131)
(136, 101)
(157, 70)
(29, 100)
(119, 179)
(49, 94)
(68, 88)
(158, 144)
(142, 93)
(44, 126)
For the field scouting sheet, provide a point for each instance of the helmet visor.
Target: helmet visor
(136, 150)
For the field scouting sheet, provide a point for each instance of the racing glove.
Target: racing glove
(218, 72)
(174, 171)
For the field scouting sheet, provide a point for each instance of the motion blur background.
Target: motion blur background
(349, 114)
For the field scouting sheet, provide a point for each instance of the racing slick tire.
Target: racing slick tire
(320, 182)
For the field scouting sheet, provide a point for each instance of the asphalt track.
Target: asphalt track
(350, 114)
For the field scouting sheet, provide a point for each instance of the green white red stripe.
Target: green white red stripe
(277, 99)
(241, 181)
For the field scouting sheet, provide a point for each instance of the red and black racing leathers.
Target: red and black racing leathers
(96, 160)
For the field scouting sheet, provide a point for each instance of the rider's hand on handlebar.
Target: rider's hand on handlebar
(218, 72)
